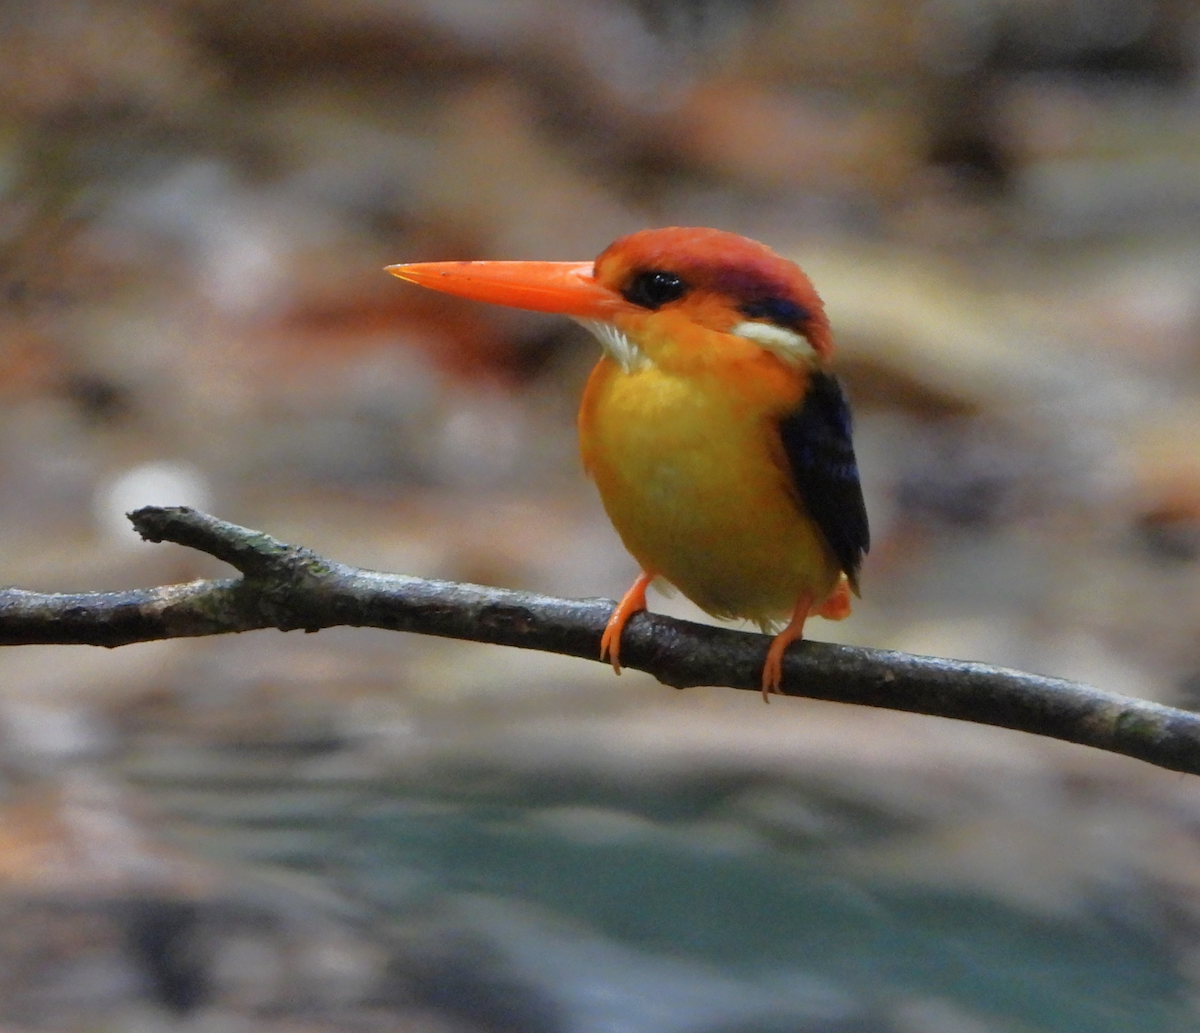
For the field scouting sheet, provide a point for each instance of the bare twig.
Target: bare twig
(289, 587)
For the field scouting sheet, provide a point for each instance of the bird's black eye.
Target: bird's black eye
(779, 311)
(654, 288)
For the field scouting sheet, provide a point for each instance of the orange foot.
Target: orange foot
(772, 674)
(837, 606)
(631, 602)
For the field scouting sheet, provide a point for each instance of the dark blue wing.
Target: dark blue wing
(820, 454)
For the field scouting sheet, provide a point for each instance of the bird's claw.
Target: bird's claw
(631, 602)
(610, 642)
(772, 676)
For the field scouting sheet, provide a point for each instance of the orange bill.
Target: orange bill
(564, 287)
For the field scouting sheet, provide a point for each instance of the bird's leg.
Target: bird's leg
(631, 602)
(837, 606)
(772, 674)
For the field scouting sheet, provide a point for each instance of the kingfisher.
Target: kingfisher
(718, 437)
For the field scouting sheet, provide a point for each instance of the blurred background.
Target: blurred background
(1000, 203)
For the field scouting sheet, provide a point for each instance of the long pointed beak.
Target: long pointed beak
(565, 287)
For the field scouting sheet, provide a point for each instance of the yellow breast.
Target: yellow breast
(692, 475)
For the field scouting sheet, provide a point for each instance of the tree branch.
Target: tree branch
(289, 587)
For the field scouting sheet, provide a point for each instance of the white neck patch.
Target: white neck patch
(617, 346)
(790, 346)
(779, 340)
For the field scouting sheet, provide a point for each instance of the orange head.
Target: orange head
(708, 278)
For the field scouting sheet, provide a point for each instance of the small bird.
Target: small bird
(716, 435)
